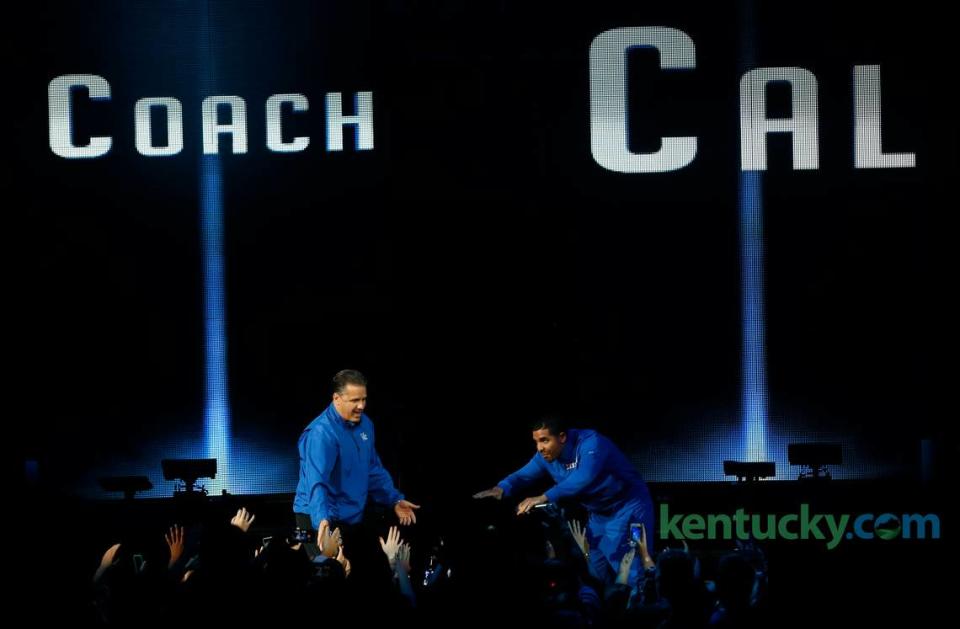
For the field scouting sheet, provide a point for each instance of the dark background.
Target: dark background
(477, 265)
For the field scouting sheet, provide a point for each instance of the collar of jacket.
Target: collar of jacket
(569, 452)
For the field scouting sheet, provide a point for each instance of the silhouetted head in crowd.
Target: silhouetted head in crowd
(736, 582)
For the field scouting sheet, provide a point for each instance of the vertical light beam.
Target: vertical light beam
(754, 400)
(216, 417)
(753, 353)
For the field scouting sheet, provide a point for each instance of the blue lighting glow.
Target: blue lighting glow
(754, 405)
(754, 400)
(216, 417)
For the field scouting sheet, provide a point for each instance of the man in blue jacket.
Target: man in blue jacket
(339, 466)
(588, 467)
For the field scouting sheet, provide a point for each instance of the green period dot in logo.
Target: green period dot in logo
(887, 526)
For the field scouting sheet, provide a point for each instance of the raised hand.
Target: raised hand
(624, 573)
(579, 536)
(392, 545)
(329, 541)
(551, 551)
(343, 560)
(403, 558)
(108, 559)
(644, 552)
(243, 519)
(174, 539)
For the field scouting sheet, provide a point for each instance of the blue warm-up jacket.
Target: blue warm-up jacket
(339, 468)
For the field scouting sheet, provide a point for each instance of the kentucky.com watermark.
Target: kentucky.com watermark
(830, 527)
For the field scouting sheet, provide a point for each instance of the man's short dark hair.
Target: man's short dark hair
(553, 423)
(348, 376)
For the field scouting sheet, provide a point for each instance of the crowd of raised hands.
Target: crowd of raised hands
(248, 563)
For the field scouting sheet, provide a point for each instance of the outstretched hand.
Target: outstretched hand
(405, 512)
(493, 492)
(530, 503)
